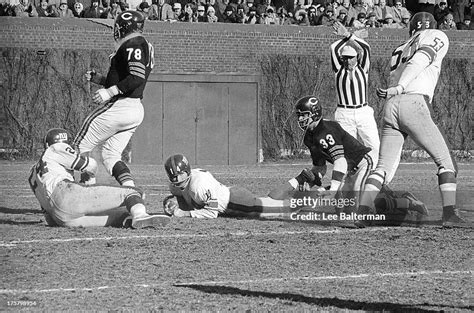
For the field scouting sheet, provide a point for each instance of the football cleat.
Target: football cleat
(364, 210)
(150, 221)
(452, 218)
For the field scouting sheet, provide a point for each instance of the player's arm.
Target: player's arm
(335, 149)
(72, 160)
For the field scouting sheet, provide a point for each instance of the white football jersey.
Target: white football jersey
(205, 194)
(434, 44)
(57, 163)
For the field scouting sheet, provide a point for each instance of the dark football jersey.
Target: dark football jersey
(329, 141)
(130, 67)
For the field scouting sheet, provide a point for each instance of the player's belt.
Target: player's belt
(351, 106)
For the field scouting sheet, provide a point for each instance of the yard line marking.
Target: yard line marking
(355, 276)
(253, 281)
(237, 234)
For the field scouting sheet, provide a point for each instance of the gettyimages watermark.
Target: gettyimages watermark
(310, 202)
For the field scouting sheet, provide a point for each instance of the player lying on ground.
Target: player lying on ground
(66, 203)
(196, 193)
(415, 69)
(327, 141)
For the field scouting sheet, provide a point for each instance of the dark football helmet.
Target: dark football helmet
(420, 21)
(55, 135)
(128, 22)
(178, 170)
(308, 110)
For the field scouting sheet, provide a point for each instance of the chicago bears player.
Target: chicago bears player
(196, 193)
(414, 73)
(120, 110)
(327, 141)
(66, 203)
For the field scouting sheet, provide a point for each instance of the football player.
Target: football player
(327, 141)
(66, 203)
(414, 73)
(120, 110)
(196, 193)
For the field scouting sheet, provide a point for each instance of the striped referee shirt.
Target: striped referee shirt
(351, 86)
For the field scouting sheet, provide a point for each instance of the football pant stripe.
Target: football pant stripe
(85, 127)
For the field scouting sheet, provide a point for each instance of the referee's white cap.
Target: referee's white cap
(348, 51)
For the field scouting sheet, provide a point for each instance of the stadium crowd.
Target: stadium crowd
(450, 14)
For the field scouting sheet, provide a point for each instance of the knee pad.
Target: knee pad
(121, 172)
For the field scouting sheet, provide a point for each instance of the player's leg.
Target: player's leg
(419, 125)
(243, 202)
(75, 201)
(113, 218)
(114, 146)
(368, 132)
(389, 155)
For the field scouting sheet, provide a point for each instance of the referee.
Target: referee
(351, 68)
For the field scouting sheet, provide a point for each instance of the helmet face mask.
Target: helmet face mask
(128, 22)
(308, 111)
(55, 135)
(178, 170)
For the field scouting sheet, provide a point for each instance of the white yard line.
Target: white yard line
(221, 234)
(257, 281)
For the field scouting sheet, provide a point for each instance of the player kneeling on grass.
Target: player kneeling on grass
(66, 203)
(329, 142)
(196, 193)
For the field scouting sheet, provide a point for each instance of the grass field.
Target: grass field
(235, 264)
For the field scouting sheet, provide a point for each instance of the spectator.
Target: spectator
(299, 6)
(123, 5)
(270, 17)
(200, 15)
(381, 10)
(213, 4)
(186, 14)
(144, 8)
(301, 18)
(390, 23)
(312, 16)
(372, 21)
(362, 6)
(114, 10)
(240, 14)
(448, 23)
(64, 11)
(162, 11)
(229, 15)
(221, 6)
(343, 18)
(458, 8)
(176, 11)
(466, 24)
(211, 15)
(42, 9)
(262, 9)
(285, 17)
(440, 11)
(94, 11)
(107, 8)
(398, 11)
(25, 9)
(237, 3)
(405, 23)
(360, 21)
(249, 4)
(351, 11)
(328, 18)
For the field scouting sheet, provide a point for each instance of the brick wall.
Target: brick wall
(193, 47)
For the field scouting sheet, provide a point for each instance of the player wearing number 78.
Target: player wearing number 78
(120, 110)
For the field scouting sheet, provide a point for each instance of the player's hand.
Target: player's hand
(94, 77)
(181, 213)
(340, 29)
(170, 204)
(390, 92)
(306, 176)
(103, 95)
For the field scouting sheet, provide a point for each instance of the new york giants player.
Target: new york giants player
(120, 110)
(66, 203)
(196, 193)
(414, 73)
